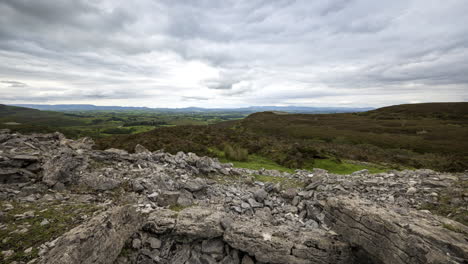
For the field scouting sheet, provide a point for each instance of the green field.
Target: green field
(97, 124)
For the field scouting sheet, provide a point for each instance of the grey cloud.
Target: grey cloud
(14, 84)
(244, 51)
(335, 6)
(194, 98)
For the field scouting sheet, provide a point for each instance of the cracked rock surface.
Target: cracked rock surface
(155, 207)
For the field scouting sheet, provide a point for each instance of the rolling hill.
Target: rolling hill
(418, 138)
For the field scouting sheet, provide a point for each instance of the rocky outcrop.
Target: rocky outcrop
(283, 244)
(100, 240)
(258, 240)
(391, 235)
(62, 168)
(162, 208)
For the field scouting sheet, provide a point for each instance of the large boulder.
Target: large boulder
(62, 168)
(98, 241)
(281, 244)
(264, 242)
(390, 236)
(198, 222)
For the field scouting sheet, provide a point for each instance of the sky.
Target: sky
(233, 53)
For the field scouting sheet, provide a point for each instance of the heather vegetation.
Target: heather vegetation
(414, 138)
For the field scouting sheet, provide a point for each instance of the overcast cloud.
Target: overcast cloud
(233, 53)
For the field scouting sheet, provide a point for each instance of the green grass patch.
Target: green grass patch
(338, 167)
(452, 228)
(256, 162)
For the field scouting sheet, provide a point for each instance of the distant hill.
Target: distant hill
(79, 107)
(251, 109)
(22, 115)
(425, 110)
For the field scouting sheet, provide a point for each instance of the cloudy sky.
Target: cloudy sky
(233, 53)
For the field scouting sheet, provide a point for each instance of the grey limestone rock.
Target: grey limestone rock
(98, 241)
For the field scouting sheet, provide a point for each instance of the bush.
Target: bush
(236, 153)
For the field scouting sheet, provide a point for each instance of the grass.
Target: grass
(62, 217)
(452, 228)
(343, 167)
(256, 162)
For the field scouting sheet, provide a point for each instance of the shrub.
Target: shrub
(236, 153)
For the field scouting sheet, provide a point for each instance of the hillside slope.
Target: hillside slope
(30, 116)
(426, 110)
(293, 140)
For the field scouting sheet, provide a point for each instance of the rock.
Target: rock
(296, 200)
(154, 243)
(185, 199)
(139, 149)
(247, 260)
(316, 172)
(411, 191)
(436, 183)
(100, 182)
(137, 187)
(213, 246)
(254, 204)
(119, 152)
(360, 172)
(289, 193)
(181, 255)
(245, 205)
(59, 187)
(160, 221)
(98, 241)
(136, 243)
(62, 168)
(284, 246)
(367, 218)
(167, 198)
(226, 222)
(260, 195)
(9, 175)
(24, 157)
(153, 196)
(195, 185)
(7, 253)
(197, 222)
(382, 234)
(313, 185)
(25, 215)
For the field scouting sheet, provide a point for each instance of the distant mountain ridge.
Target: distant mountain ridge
(251, 109)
